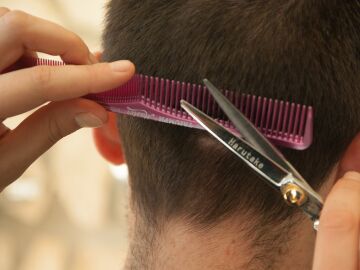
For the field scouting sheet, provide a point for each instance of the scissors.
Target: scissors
(259, 154)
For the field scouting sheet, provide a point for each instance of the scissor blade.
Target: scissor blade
(245, 127)
(253, 135)
(254, 159)
(257, 140)
(275, 175)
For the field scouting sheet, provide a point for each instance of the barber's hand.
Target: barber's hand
(26, 89)
(338, 238)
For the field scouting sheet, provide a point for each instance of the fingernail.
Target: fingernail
(352, 175)
(121, 66)
(88, 120)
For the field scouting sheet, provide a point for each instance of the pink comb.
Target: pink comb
(285, 124)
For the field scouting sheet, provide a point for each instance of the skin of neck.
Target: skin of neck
(228, 245)
(225, 246)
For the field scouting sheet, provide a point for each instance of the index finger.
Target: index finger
(337, 242)
(20, 31)
(25, 89)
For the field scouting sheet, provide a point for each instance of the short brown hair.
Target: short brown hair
(301, 51)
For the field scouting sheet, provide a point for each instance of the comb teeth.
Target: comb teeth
(286, 124)
(46, 62)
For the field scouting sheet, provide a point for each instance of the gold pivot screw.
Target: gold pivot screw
(294, 195)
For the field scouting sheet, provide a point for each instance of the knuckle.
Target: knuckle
(93, 75)
(15, 20)
(42, 77)
(80, 44)
(55, 132)
(74, 38)
(99, 70)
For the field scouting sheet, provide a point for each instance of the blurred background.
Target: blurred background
(68, 211)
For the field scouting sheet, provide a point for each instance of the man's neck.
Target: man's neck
(231, 244)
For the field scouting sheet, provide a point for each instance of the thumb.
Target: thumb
(337, 242)
(43, 129)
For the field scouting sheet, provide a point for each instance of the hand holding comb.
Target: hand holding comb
(283, 123)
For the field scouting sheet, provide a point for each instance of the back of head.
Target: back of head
(303, 51)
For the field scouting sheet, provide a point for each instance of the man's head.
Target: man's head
(302, 51)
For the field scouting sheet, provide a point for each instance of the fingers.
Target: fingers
(337, 243)
(4, 130)
(26, 89)
(41, 130)
(20, 32)
(3, 10)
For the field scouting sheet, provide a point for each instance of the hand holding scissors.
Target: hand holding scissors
(338, 239)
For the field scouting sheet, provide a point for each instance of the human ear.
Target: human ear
(107, 141)
(350, 161)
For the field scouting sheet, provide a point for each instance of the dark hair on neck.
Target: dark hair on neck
(302, 51)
